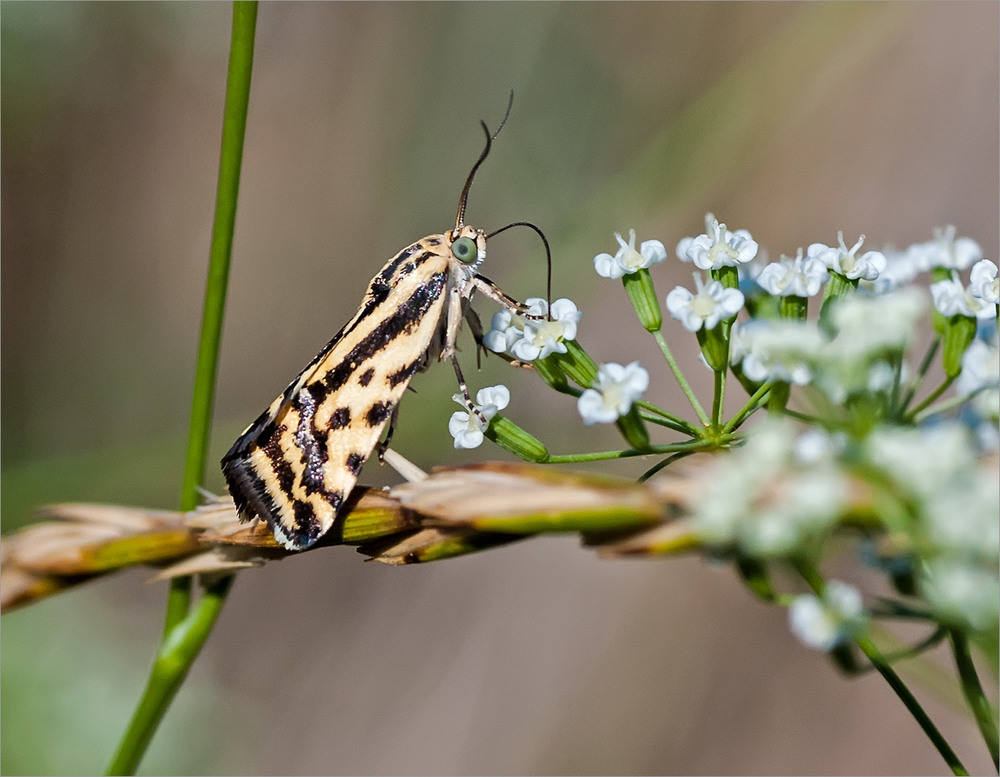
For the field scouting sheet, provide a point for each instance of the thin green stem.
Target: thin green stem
(751, 406)
(929, 399)
(670, 420)
(230, 161)
(662, 464)
(912, 651)
(573, 458)
(178, 604)
(910, 702)
(718, 398)
(946, 406)
(685, 387)
(170, 667)
(865, 644)
(973, 691)
(925, 365)
(186, 629)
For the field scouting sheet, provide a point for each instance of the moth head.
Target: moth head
(468, 245)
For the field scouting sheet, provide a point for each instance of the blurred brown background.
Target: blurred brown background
(792, 120)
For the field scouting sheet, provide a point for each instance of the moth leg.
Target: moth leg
(383, 445)
(455, 315)
(469, 404)
(513, 361)
(491, 290)
(476, 328)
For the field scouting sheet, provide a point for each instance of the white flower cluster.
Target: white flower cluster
(847, 262)
(717, 247)
(978, 299)
(616, 390)
(710, 304)
(956, 504)
(528, 339)
(774, 494)
(800, 277)
(467, 427)
(824, 622)
(866, 331)
(627, 259)
(944, 252)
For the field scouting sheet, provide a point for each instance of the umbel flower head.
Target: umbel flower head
(824, 622)
(978, 299)
(717, 247)
(529, 339)
(627, 259)
(467, 427)
(710, 304)
(847, 262)
(615, 391)
(946, 251)
(799, 277)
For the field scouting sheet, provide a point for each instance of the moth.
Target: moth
(296, 464)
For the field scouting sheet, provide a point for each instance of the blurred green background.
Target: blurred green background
(794, 120)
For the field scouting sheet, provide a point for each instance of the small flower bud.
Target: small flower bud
(639, 287)
(633, 429)
(550, 370)
(577, 364)
(513, 438)
(837, 288)
(715, 347)
(959, 332)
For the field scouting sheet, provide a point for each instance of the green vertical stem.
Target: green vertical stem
(227, 192)
(231, 157)
(185, 628)
(173, 659)
(718, 398)
(973, 691)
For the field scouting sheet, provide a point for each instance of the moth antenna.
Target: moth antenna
(463, 200)
(548, 257)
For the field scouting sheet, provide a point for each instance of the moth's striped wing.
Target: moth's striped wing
(296, 464)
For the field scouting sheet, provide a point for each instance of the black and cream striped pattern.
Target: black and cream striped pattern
(297, 463)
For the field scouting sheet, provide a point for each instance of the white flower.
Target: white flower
(710, 303)
(530, 339)
(771, 495)
(945, 251)
(960, 516)
(505, 330)
(799, 277)
(616, 389)
(541, 338)
(868, 329)
(925, 460)
(627, 259)
(752, 269)
(983, 282)
(981, 373)
(822, 624)
(962, 593)
(980, 368)
(846, 261)
(901, 268)
(816, 446)
(467, 428)
(718, 247)
(953, 299)
(777, 350)
(869, 325)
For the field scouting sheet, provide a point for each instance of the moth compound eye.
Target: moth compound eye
(464, 249)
